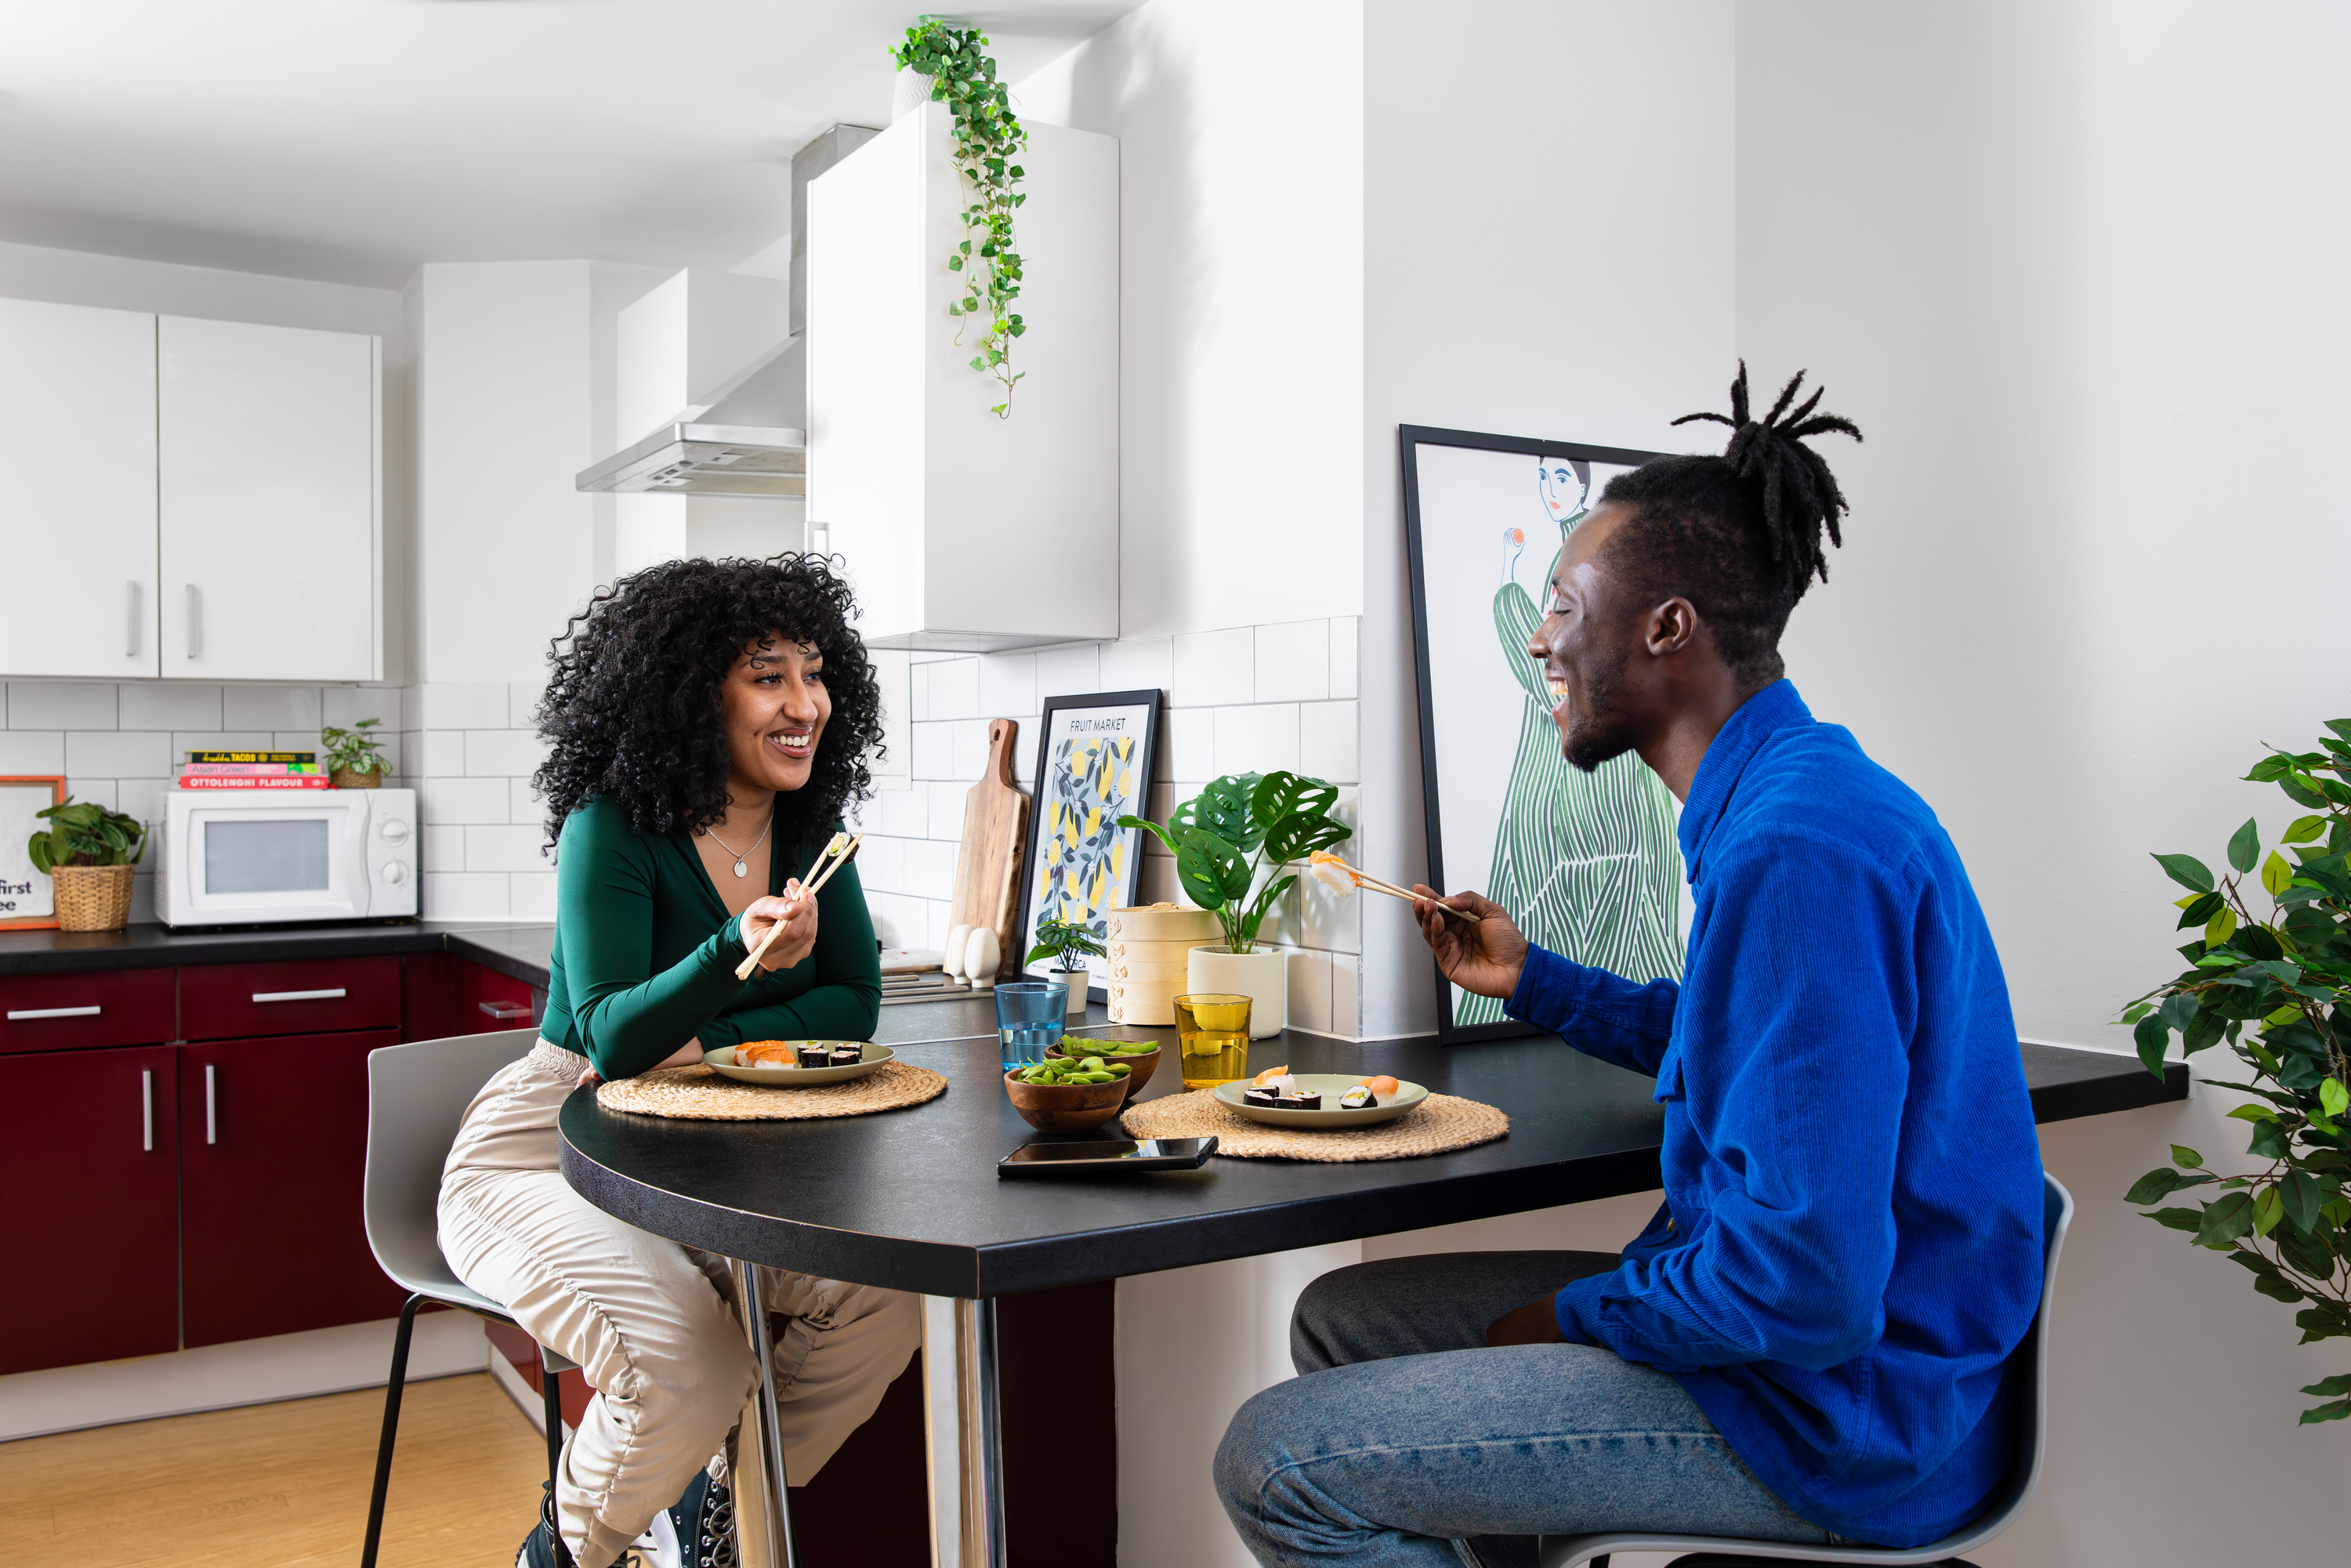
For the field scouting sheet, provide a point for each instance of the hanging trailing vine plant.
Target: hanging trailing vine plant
(988, 135)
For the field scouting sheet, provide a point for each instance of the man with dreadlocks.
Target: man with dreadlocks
(1807, 1342)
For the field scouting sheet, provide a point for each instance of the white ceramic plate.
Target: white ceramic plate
(779, 1076)
(1329, 1085)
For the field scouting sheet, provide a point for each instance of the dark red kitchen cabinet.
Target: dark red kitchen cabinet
(75, 1011)
(443, 995)
(309, 995)
(89, 1242)
(273, 1145)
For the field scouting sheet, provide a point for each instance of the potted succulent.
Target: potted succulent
(89, 854)
(2278, 992)
(1223, 839)
(1067, 943)
(353, 761)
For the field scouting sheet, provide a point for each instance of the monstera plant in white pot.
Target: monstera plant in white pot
(1239, 828)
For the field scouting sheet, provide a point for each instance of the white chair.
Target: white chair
(2002, 1510)
(417, 1095)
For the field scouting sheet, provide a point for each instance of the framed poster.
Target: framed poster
(27, 898)
(1093, 766)
(1587, 865)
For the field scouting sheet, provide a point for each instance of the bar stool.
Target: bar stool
(2031, 1361)
(417, 1095)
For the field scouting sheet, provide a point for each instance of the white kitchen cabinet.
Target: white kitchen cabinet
(268, 488)
(962, 530)
(77, 514)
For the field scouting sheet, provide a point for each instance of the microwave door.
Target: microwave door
(285, 863)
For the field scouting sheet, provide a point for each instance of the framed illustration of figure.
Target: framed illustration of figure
(27, 898)
(1093, 766)
(1587, 865)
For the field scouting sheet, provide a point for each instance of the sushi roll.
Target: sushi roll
(1359, 1098)
(1297, 1102)
(848, 1055)
(1266, 1097)
(816, 1056)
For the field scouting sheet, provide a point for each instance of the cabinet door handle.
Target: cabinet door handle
(130, 620)
(212, 1107)
(505, 1010)
(147, 1107)
(192, 621)
(14, 1014)
(338, 994)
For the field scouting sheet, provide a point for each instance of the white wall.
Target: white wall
(2075, 269)
(1240, 336)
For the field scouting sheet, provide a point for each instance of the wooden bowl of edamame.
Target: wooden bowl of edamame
(1140, 1057)
(1065, 1107)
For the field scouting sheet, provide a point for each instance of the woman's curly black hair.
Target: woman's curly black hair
(632, 709)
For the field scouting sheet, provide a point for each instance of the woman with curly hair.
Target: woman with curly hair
(706, 722)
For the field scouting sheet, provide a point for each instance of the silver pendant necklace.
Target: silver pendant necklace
(741, 869)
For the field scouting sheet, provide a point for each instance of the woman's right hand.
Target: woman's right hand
(796, 912)
(1483, 957)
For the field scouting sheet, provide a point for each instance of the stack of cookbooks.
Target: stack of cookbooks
(253, 771)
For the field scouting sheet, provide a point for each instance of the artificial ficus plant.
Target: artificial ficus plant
(988, 136)
(2278, 991)
(1276, 818)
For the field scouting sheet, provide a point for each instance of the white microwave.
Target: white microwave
(245, 857)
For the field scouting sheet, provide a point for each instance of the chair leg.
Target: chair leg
(550, 1392)
(391, 1390)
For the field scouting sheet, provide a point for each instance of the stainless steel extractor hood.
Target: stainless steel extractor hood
(751, 440)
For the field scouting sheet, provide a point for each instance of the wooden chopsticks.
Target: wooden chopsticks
(840, 851)
(1367, 880)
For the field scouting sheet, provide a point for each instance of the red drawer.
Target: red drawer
(69, 1012)
(226, 1001)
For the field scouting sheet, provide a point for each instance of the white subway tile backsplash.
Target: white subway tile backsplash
(186, 740)
(970, 750)
(523, 804)
(345, 707)
(936, 925)
(464, 895)
(918, 692)
(1073, 671)
(934, 750)
(98, 791)
(503, 847)
(1159, 884)
(1139, 663)
(1346, 1011)
(32, 751)
(444, 846)
(439, 754)
(1007, 685)
(906, 813)
(946, 805)
(142, 798)
(1345, 658)
(60, 705)
(882, 863)
(930, 867)
(143, 705)
(1309, 991)
(1213, 668)
(1190, 744)
(531, 896)
(1326, 742)
(955, 688)
(119, 753)
(522, 704)
(461, 704)
(464, 801)
(1293, 662)
(1257, 739)
(270, 707)
(507, 753)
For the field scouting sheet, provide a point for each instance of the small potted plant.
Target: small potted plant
(89, 854)
(1243, 825)
(1067, 943)
(353, 761)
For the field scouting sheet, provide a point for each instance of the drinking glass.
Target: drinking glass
(1029, 1016)
(1214, 1033)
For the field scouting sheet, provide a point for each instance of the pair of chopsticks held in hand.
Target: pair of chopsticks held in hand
(1333, 872)
(838, 852)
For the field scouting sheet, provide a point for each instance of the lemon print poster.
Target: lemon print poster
(1094, 769)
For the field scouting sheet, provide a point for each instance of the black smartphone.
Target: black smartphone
(1108, 1154)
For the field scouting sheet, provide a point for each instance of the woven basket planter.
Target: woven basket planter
(92, 897)
(344, 778)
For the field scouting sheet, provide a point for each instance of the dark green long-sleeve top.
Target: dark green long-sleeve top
(645, 953)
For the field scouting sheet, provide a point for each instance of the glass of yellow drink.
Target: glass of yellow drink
(1214, 1033)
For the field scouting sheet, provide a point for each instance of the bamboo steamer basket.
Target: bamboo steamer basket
(92, 897)
(1150, 946)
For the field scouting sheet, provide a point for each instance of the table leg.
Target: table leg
(965, 1444)
(770, 1441)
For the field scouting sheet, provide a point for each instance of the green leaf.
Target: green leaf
(2277, 1288)
(2219, 928)
(2302, 1199)
(2225, 1220)
(1223, 807)
(2154, 1186)
(2267, 1143)
(2199, 907)
(2290, 1013)
(2177, 1218)
(1162, 834)
(1212, 871)
(2186, 871)
(2334, 1412)
(2245, 845)
(2152, 1039)
(2276, 875)
(2185, 1157)
(2338, 1384)
(2253, 1114)
(2333, 1098)
(2304, 831)
(2268, 1209)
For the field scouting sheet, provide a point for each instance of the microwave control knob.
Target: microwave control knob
(394, 830)
(395, 871)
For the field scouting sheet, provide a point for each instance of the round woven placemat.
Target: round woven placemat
(1439, 1124)
(696, 1093)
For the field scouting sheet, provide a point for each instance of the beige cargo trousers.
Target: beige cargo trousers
(651, 1323)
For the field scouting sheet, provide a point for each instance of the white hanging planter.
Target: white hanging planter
(1262, 976)
(908, 92)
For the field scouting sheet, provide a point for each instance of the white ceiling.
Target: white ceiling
(350, 140)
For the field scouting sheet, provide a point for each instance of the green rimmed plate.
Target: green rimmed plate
(778, 1075)
(1329, 1085)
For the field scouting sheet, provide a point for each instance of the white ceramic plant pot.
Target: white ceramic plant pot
(908, 92)
(1076, 981)
(1263, 976)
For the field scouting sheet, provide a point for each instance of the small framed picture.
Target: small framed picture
(27, 898)
(1093, 766)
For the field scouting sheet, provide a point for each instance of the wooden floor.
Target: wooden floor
(275, 1486)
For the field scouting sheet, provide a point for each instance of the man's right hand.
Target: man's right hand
(1484, 956)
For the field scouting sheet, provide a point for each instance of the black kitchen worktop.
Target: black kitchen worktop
(513, 950)
(910, 1199)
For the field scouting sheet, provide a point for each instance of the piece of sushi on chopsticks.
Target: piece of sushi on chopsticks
(1344, 879)
(838, 852)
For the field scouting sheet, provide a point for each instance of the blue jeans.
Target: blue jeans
(1405, 1443)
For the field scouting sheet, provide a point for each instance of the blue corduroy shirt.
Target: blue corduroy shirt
(1850, 1244)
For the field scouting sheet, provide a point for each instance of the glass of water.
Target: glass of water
(1029, 1015)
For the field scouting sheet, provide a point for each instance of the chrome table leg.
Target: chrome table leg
(981, 1437)
(754, 1302)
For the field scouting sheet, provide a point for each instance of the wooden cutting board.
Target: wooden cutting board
(988, 867)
